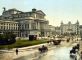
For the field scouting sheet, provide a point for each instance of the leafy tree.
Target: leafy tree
(7, 38)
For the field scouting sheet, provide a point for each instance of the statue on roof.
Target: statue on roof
(4, 9)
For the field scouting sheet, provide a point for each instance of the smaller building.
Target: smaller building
(70, 28)
(57, 30)
(51, 31)
(80, 30)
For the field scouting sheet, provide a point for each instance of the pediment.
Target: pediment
(40, 12)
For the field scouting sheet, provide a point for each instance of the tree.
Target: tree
(7, 38)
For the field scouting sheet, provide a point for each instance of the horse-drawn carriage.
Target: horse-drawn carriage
(56, 42)
(74, 50)
(43, 49)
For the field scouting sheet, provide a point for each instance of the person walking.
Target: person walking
(16, 51)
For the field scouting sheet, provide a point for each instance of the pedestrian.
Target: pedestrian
(16, 51)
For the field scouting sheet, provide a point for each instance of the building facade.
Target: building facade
(57, 31)
(24, 23)
(8, 26)
(70, 28)
(51, 31)
(80, 31)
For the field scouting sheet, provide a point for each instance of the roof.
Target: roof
(80, 26)
(12, 10)
(40, 12)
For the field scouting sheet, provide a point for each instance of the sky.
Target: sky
(55, 10)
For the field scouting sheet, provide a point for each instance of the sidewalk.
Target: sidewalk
(23, 48)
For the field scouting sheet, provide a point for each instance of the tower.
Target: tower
(61, 22)
(61, 28)
(77, 27)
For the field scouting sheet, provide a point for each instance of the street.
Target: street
(55, 53)
(60, 53)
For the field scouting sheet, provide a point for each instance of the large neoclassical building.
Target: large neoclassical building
(24, 24)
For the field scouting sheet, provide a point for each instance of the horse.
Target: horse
(73, 51)
(73, 54)
(76, 47)
(40, 49)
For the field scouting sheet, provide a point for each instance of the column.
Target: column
(30, 25)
